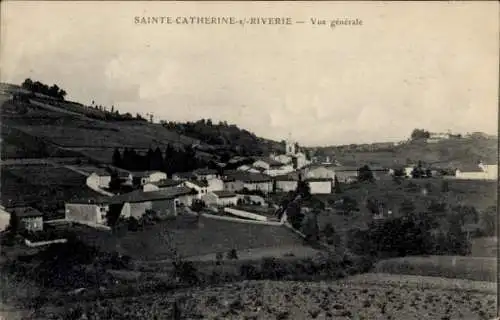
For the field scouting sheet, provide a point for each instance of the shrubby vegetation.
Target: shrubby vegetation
(38, 87)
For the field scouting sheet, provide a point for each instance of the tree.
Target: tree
(117, 158)
(232, 255)
(488, 220)
(27, 84)
(115, 183)
(420, 134)
(311, 227)
(303, 189)
(365, 174)
(338, 189)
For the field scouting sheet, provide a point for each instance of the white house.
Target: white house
(220, 198)
(93, 210)
(167, 184)
(201, 186)
(477, 172)
(320, 185)
(100, 180)
(144, 177)
(205, 174)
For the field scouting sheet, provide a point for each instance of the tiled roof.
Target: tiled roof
(469, 168)
(318, 180)
(294, 176)
(205, 171)
(199, 183)
(142, 174)
(249, 177)
(140, 196)
(25, 212)
(96, 170)
(167, 183)
(271, 162)
(224, 194)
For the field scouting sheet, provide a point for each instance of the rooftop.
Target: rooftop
(167, 183)
(199, 183)
(247, 177)
(25, 212)
(224, 194)
(141, 196)
(271, 162)
(205, 171)
(96, 170)
(142, 174)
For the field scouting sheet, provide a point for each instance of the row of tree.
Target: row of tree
(39, 87)
(169, 161)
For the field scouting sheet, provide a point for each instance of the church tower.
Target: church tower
(290, 146)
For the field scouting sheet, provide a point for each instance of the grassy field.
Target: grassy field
(471, 268)
(191, 238)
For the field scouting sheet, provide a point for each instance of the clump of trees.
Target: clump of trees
(38, 87)
(365, 174)
(420, 134)
(170, 161)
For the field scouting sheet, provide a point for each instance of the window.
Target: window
(103, 209)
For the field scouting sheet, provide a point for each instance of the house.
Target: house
(166, 184)
(286, 183)
(318, 171)
(96, 176)
(201, 186)
(221, 198)
(143, 177)
(183, 176)
(238, 181)
(345, 174)
(205, 174)
(28, 218)
(163, 202)
(477, 172)
(90, 210)
(272, 167)
(320, 185)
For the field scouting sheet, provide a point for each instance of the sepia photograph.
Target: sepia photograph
(249, 160)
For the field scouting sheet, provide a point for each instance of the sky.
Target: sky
(431, 65)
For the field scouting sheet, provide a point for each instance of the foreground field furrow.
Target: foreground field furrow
(370, 296)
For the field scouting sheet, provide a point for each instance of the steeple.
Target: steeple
(290, 145)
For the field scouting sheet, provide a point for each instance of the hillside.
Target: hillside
(36, 125)
(446, 153)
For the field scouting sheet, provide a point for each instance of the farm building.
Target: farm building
(28, 218)
(166, 184)
(320, 185)
(220, 198)
(238, 180)
(143, 177)
(286, 183)
(92, 210)
(164, 203)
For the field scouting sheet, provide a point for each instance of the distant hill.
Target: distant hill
(37, 125)
(451, 152)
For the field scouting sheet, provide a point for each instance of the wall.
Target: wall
(86, 212)
(233, 186)
(320, 172)
(471, 175)
(164, 208)
(252, 198)
(32, 223)
(285, 186)
(320, 187)
(215, 185)
(228, 201)
(4, 219)
(186, 200)
(157, 176)
(135, 210)
(148, 187)
(265, 187)
(201, 190)
(209, 199)
(245, 214)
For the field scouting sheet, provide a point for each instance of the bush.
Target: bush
(186, 272)
(249, 272)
